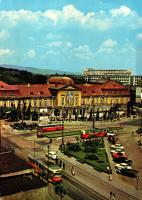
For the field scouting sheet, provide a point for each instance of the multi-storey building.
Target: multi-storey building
(125, 77)
(63, 93)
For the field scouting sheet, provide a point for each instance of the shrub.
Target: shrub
(91, 149)
(91, 157)
(74, 147)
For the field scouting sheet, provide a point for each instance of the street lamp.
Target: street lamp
(48, 147)
(63, 114)
(93, 114)
(0, 135)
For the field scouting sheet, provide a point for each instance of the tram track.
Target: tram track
(88, 191)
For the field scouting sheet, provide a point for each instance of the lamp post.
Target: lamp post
(0, 135)
(93, 114)
(63, 113)
(48, 148)
(34, 149)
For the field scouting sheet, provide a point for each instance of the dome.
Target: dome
(61, 79)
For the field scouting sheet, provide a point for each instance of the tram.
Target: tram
(51, 127)
(51, 172)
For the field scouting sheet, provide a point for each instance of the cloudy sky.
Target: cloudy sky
(71, 35)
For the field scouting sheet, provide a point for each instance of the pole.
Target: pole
(62, 130)
(93, 114)
(34, 149)
(48, 164)
(0, 136)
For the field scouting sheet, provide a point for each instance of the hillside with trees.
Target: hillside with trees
(16, 76)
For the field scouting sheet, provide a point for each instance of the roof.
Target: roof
(113, 85)
(90, 89)
(61, 80)
(4, 86)
(38, 90)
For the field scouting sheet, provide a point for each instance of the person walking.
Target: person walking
(132, 133)
(110, 177)
(73, 170)
(63, 166)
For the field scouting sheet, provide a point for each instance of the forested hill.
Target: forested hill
(15, 76)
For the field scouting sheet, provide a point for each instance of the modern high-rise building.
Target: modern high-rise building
(125, 76)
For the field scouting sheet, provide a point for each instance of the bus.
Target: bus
(51, 172)
(51, 127)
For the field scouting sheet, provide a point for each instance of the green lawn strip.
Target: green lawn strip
(59, 134)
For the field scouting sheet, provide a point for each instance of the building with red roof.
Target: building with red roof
(62, 92)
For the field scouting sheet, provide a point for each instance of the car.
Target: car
(52, 155)
(139, 130)
(116, 150)
(111, 134)
(117, 146)
(129, 162)
(122, 166)
(127, 172)
(119, 156)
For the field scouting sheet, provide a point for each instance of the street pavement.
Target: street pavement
(121, 186)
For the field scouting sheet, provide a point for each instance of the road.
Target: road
(98, 182)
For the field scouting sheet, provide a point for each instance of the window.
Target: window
(31, 93)
(62, 100)
(45, 103)
(11, 93)
(3, 93)
(39, 103)
(41, 92)
(84, 91)
(76, 100)
(35, 103)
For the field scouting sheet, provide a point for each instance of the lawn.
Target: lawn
(59, 134)
(67, 133)
(91, 152)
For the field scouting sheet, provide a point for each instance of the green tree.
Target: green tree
(60, 190)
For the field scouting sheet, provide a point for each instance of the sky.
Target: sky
(72, 35)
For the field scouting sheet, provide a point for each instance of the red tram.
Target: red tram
(53, 173)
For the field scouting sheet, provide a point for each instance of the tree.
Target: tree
(97, 115)
(105, 115)
(56, 112)
(60, 190)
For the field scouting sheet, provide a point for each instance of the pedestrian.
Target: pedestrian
(73, 170)
(108, 169)
(110, 195)
(110, 177)
(113, 196)
(60, 163)
(63, 166)
(132, 133)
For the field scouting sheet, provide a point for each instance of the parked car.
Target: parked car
(129, 162)
(111, 134)
(116, 150)
(117, 146)
(139, 130)
(127, 172)
(122, 166)
(119, 156)
(52, 155)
